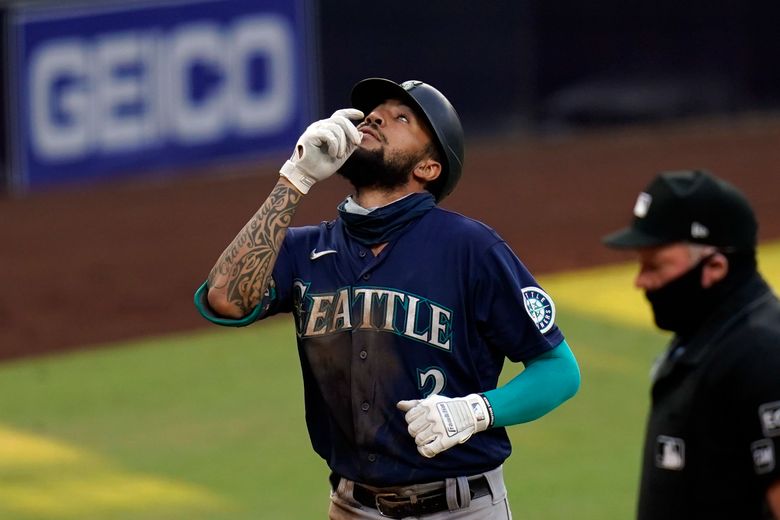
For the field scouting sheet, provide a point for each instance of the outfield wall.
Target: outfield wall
(100, 90)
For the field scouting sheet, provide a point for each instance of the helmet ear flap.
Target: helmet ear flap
(437, 112)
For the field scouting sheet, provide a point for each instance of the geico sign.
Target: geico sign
(133, 90)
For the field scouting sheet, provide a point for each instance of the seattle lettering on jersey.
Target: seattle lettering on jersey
(373, 308)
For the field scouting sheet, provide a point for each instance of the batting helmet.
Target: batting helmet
(437, 112)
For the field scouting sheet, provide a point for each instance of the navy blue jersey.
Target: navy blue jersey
(437, 311)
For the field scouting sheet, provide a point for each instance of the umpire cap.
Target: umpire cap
(689, 206)
(435, 109)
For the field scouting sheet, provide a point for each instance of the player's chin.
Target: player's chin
(370, 144)
(366, 155)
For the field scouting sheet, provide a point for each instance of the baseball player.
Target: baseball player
(404, 312)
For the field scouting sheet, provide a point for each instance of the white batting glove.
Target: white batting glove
(438, 423)
(322, 148)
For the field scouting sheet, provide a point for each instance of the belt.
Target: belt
(393, 505)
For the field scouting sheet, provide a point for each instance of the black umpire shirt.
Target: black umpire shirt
(713, 435)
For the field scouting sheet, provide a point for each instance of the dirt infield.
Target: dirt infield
(84, 267)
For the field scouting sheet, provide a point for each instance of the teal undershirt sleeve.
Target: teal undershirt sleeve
(547, 381)
(202, 304)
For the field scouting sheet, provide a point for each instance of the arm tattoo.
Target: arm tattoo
(246, 264)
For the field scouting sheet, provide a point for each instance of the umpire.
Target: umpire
(713, 433)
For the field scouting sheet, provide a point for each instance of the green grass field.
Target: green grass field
(210, 425)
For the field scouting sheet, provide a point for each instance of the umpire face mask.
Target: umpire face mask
(682, 305)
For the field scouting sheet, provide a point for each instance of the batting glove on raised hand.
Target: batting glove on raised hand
(322, 148)
(438, 423)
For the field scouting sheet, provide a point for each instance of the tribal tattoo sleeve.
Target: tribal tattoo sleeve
(245, 266)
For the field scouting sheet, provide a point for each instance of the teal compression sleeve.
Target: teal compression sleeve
(547, 381)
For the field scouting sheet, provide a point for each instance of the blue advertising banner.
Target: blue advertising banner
(108, 90)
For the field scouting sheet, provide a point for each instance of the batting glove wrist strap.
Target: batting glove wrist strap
(322, 149)
(489, 408)
(297, 177)
(438, 423)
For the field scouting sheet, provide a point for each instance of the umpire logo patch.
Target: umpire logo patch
(539, 307)
(769, 413)
(763, 456)
(670, 453)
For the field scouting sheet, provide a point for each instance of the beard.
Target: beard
(372, 169)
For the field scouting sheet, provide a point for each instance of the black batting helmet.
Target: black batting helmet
(436, 110)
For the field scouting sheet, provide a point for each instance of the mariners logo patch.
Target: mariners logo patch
(539, 307)
(770, 418)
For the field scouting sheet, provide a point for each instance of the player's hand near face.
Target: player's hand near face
(438, 423)
(322, 149)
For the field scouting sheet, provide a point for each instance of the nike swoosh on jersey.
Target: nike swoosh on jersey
(316, 254)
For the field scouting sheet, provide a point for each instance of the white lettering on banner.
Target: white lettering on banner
(123, 102)
(136, 90)
(196, 46)
(257, 112)
(60, 99)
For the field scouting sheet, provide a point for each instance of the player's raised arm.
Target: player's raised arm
(240, 276)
